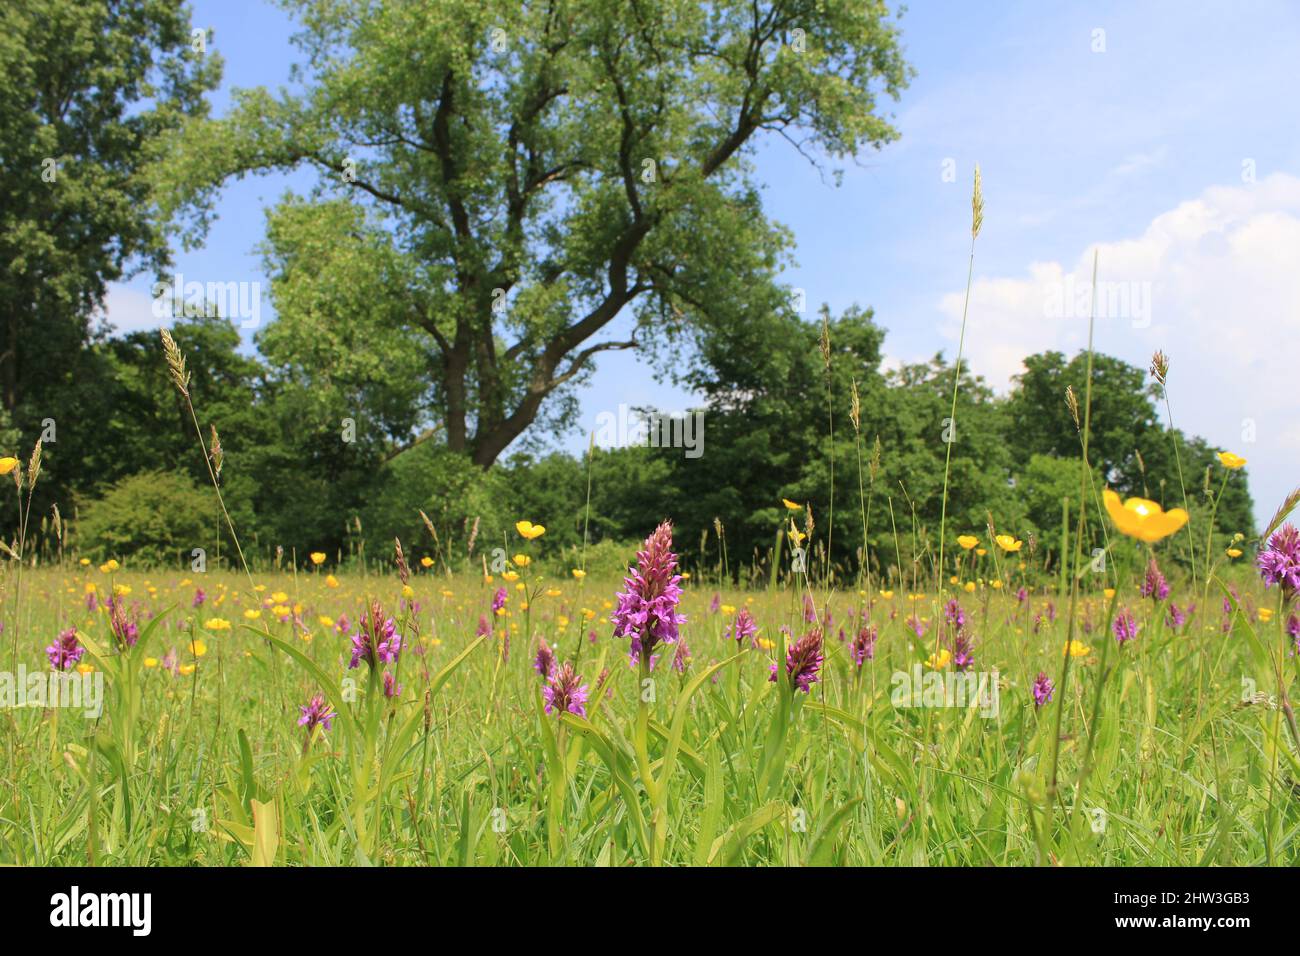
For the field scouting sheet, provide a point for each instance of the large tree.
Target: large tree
(86, 86)
(500, 180)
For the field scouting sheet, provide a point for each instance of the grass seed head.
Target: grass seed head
(1285, 508)
(176, 364)
(216, 452)
(403, 569)
(1072, 403)
(1160, 366)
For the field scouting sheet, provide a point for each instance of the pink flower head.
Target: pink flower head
(743, 627)
(863, 647)
(66, 650)
(376, 640)
(803, 661)
(1279, 563)
(544, 662)
(564, 691)
(647, 606)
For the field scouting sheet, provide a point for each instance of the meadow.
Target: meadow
(233, 730)
(208, 669)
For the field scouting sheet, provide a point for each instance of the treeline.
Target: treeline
(319, 467)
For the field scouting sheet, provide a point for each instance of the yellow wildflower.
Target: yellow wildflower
(1143, 519)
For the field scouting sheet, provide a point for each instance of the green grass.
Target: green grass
(208, 768)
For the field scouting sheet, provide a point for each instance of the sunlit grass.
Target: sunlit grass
(214, 769)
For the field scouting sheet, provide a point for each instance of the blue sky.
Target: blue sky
(1173, 151)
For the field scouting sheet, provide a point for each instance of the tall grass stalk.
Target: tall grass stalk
(977, 220)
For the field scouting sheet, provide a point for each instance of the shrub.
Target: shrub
(450, 489)
(153, 518)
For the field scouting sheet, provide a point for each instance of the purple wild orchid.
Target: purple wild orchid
(1125, 626)
(803, 661)
(376, 640)
(565, 692)
(1043, 688)
(544, 662)
(647, 606)
(66, 651)
(1279, 563)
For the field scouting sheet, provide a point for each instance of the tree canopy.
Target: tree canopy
(500, 180)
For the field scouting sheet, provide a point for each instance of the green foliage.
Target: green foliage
(155, 517)
(452, 491)
(86, 90)
(529, 172)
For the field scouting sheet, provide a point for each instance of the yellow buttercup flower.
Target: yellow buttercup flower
(216, 624)
(1008, 542)
(198, 648)
(1143, 519)
(331, 581)
(1109, 592)
(727, 610)
(1266, 614)
(252, 614)
(408, 592)
(1228, 460)
(981, 552)
(510, 575)
(529, 530)
(317, 557)
(1076, 649)
(426, 562)
(969, 586)
(84, 562)
(109, 565)
(522, 560)
(579, 573)
(940, 660)
(995, 583)
(1234, 552)
(886, 595)
(796, 536)
(151, 662)
(793, 506)
(967, 541)
(7, 465)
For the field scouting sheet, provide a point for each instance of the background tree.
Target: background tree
(86, 88)
(499, 180)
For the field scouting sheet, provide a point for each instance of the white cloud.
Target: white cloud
(1214, 282)
(129, 309)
